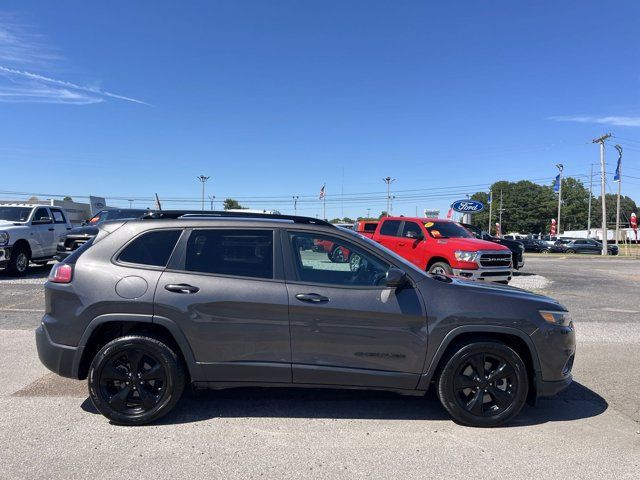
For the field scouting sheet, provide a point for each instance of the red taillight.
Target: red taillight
(61, 273)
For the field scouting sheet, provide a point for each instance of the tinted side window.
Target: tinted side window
(412, 227)
(390, 227)
(151, 248)
(242, 253)
(58, 216)
(40, 214)
(348, 265)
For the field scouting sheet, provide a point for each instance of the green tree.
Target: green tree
(382, 214)
(67, 199)
(231, 204)
(627, 207)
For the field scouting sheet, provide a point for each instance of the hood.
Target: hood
(89, 230)
(8, 223)
(501, 290)
(470, 244)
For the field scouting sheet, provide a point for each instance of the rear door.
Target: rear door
(60, 223)
(347, 327)
(389, 233)
(225, 289)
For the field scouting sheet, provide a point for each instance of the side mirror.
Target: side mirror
(395, 277)
(414, 235)
(42, 221)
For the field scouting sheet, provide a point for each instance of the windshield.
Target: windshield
(447, 230)
(120, 214)
(15, 214)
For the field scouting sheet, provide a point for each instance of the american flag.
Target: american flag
(322, 192)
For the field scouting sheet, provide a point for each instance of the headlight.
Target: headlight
(555, 318)
(463, 256)
(4, 238)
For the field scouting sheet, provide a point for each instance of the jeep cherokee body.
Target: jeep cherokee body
(247, 301)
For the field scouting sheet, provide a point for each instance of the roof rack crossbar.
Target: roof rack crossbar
(175, 214)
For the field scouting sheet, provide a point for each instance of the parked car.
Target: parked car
(535, 245)
(366, 227)
(78, 236)
(582, 245)
(29, 233)
(444, 247)
(516, 247)
(148, 305)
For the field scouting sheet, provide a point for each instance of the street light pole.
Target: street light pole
(130, 203)
(203, 179)
(295, 204)
(603, 180)
(388, 181)
(561, 168)
(211, 201)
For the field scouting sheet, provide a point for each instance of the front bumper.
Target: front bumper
(5, 256)
(556, 347)
(488, 275)
(61, 359)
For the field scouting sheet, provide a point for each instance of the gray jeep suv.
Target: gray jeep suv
(230, 299)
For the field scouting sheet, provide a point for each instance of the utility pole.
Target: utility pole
(391, 204)
(203, 179)
(618, 177)
(388, 181)
(490, 210)
(368, 213)
(211, 201)
(603, 180)
(295, 204)
(500, 215)
(590, 196)
(561, 168)
(130, 203)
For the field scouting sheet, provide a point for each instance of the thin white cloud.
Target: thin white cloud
(41, 78)
(618, 121)
(22, 52)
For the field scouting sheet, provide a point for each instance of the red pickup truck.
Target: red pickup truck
(366, 227)
(444, 247)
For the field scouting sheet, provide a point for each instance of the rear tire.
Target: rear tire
(440, 268)
(545, 250)
(135, 380)
(483, 384)
(570, 251)
(19, 261)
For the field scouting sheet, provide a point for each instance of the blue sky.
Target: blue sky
(276, 98)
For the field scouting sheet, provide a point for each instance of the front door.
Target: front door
(224, 289)
(411, 244)
(347, 327)
(42, 231)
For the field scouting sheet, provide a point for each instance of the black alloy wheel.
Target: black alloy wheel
(134, 380)
(484, 384)
(338, 255)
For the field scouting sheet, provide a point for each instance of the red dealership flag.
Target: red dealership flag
(450, 214)
(634, 225)
(553, 227)
(498, 230)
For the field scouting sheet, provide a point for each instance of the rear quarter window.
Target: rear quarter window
(151, 248)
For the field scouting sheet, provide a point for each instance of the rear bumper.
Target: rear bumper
(487, 275)
(61, 359)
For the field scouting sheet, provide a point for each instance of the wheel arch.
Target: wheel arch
(433, 260)
(105, 328)
(512, 337)
(23, 242)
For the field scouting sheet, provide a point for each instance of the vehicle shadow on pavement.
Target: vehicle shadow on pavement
(574, 403)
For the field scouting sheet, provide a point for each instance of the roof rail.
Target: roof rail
(175, 214)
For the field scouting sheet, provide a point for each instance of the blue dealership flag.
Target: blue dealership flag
(616, 177)
(490, 197)
(556, 186)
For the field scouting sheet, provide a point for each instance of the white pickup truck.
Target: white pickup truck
(29, 233)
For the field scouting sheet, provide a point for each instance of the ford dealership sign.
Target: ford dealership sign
(467, 206)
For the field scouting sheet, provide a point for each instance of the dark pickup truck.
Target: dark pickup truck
(517, 249)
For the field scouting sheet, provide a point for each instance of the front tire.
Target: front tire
(19, 261)
(440, 268)
(570, 251)
(483, 384)
(135, 380)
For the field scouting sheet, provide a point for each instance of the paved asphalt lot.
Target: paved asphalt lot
(592, 430)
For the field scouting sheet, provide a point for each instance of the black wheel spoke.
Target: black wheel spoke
(463, 381)
(134, 357)
(154, 373)
(111, 372)
(502, 398)
(504, 370)
(119, 400)
(477, 363)
(148, 399)
(475, 404)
